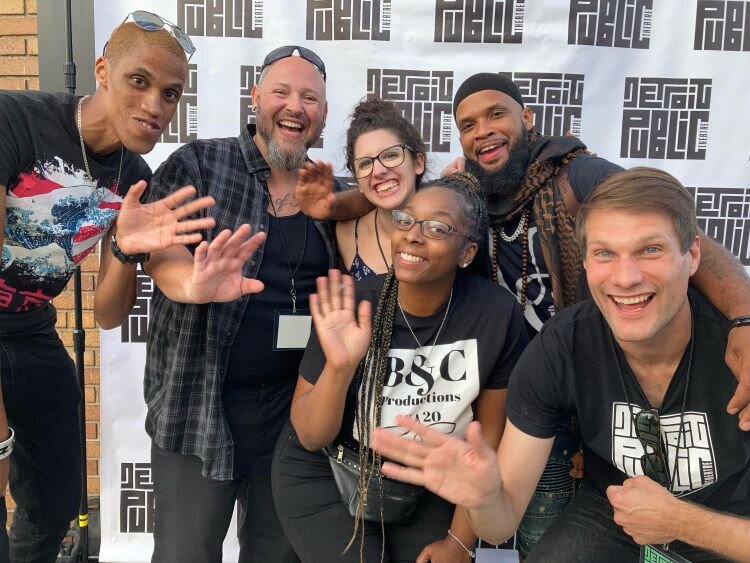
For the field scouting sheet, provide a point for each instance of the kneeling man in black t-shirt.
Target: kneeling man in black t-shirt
(642, 367)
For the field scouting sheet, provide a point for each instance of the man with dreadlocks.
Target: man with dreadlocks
(532, 186)
(441, 345)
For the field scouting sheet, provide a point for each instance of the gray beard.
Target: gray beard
(504, 183)
(277, 157)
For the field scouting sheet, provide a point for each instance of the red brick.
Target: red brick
(19, 66)
(15, 25)
(92, 412)
(92, 430)
(11, 7)
(92, 467)
(92, 394)
(12, 46)
(93, 451)
(12, 83)
(91, 376)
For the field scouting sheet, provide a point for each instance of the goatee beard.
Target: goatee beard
(505, 182)
(279, 158)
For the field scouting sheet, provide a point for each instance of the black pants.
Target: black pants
(586, 532)
(41, 397)
(319, 525)
(193, 512)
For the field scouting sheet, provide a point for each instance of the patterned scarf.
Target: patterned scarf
(555, 226)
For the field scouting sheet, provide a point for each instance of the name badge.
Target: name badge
(292, 330)
(652, 554)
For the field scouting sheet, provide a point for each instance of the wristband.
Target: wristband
(739, 321)
(127, 258)
(462, 544)
(6, 447)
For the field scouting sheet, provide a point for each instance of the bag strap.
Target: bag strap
(572, 205)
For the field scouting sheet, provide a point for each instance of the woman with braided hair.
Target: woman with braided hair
(439, 347)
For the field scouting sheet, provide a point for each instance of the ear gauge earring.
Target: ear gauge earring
(253, 108)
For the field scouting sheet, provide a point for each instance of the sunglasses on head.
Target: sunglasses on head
(149, 21)
(648, 431)
(288, 51)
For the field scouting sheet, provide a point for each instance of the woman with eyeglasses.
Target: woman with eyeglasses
(386, 156)
(440, 347)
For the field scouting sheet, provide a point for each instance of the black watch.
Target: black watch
(127, 258)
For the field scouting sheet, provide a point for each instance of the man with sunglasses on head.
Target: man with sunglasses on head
(230, 321)
(71, 175)
(642, 367)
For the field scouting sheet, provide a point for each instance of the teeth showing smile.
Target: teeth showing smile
(632, 300)
(411, 258)
(290, 124)
(386, 186)
(488, 148)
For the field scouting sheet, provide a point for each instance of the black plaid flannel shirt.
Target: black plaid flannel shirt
(189, 345)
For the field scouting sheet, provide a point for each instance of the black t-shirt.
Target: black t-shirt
(254, 358)
(584, 173)
(571, 368)
(54, 214)
(479, 344)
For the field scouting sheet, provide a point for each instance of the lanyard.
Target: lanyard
(292, 273)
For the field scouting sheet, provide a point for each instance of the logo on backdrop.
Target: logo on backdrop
(610, 23)
(556, 98)
(334, 20)
(665, 118)
(479, 21)
(722, 26)
(136, 499)
(423, 96)
(693, 463)
(184, 125)
(227, 18)
(135, 327)
(249, 76)
(724, 215)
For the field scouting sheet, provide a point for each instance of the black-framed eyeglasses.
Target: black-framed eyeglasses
(654, 463)
(149, 21)
(430, 228)
(288, 51)
(390, 158)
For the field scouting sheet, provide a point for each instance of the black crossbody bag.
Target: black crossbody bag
(399, 499)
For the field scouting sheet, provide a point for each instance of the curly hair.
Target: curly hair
(376, 114)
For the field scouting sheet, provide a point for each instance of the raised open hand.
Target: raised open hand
(217, 267)
(149, 227)
(314, 191)
(344, 336)
(464, 472)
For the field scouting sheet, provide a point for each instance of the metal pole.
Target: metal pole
(79, 335)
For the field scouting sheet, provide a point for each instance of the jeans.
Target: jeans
(553, 493)
(319, 525)
(41, 397)
(586, 533)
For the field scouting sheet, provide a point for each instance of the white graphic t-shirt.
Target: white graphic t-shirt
(481, 340)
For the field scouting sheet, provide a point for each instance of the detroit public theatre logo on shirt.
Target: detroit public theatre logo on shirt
(249, 76)
(556, 98)
(724, 216)
(228, 18)
(665, 118)
(424, 97)
(610, 23)
(184, 125)
(693, 464)
(479, 21)
(337, 20)
(136, 499)
(722, 26)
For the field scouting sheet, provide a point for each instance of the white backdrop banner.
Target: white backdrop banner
(642, 82)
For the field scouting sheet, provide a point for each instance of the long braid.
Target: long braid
(370, 377)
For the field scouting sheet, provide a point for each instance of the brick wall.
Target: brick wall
(19, 69)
